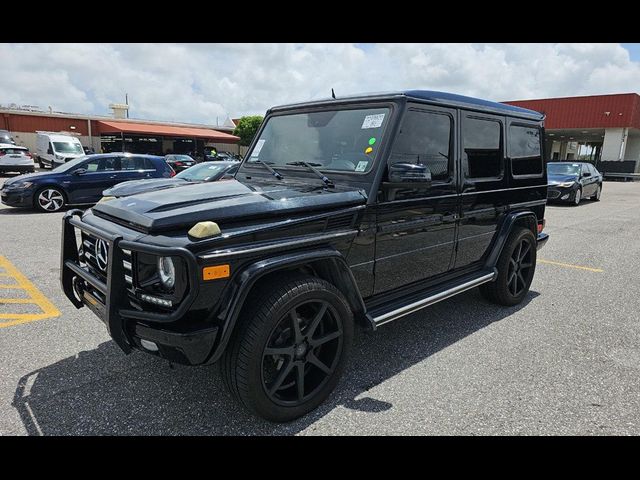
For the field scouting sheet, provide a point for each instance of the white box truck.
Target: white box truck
(53, 149)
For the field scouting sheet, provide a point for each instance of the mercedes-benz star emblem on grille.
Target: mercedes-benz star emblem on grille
(102, 254)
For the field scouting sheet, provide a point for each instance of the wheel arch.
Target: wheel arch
(526, 219)
(327, 264)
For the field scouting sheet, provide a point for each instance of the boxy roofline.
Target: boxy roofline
(438, 98)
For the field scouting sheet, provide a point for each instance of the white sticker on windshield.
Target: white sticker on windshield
(258, 147)
(362, 166)
(373, 121)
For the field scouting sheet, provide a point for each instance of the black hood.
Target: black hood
(134, 187)
(226, 201)
(555, 179)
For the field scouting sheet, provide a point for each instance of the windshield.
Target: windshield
(183, 158)
(67, 147)
(345, 140)
(70, 164)
(201, 172)
(563, 168)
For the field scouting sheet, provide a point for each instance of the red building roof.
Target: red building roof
(587, 112)
(166, 130)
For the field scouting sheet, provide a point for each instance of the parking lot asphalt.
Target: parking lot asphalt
(564, 362)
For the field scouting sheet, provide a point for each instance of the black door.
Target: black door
(483, 181)
(589, 181)
(416, 218)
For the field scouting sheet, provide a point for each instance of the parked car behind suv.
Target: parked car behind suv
(179, 162)
(349, 211)
(80, 181)
(14, 158)
(200, 173)
(573, 181)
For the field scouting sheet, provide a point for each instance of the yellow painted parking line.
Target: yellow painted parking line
(35, 297)
(569, 265)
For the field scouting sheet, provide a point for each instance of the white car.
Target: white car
(14, 158)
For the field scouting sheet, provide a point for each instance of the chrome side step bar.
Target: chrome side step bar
(435, 298)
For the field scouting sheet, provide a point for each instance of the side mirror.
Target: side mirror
(79, 171)
(50, 151)
(409, 173)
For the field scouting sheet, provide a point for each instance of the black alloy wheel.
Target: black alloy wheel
(290, 346)
(302, 353)
(520, 267)
(516, 268)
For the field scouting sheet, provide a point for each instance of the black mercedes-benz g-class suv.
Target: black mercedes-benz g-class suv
(352, 210)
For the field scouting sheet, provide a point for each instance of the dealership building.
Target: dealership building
(118, 133)
(604, 129)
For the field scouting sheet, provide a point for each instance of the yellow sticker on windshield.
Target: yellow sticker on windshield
(368, 150)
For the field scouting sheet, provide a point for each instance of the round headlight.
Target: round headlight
(167, 272)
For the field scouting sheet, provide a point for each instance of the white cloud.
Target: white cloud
(199, 82)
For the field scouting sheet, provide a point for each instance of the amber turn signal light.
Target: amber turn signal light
(216, 272)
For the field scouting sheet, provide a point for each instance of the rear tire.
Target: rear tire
(596, 196)
(516, 267)
(289, 348)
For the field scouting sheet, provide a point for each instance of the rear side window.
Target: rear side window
(525, 151)
(136, 163)
(482, 156)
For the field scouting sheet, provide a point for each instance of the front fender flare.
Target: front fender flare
(332, 260)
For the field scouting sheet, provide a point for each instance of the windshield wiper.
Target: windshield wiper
(310, 166)
(273, 171)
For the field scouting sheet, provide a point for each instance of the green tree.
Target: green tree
(247, 128)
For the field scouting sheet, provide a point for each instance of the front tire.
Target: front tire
(577, 197)
(49, 200)
(516, 267)
(289, 348)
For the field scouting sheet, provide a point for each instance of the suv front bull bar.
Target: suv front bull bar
(116, 308)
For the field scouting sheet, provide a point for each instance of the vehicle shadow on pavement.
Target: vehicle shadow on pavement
(104, 392)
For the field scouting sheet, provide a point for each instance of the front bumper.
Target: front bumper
(556, 193)
(109, 297)
(17, 198)
(542, 240)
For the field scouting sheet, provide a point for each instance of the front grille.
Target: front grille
(89, 258)
(552, 193)
(96, 265)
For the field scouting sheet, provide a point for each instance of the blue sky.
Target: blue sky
(200, 83)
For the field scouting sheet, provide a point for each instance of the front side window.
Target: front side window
(525, 151)
(482, 148)
(425, 139)
(343, 140)
(103, 164)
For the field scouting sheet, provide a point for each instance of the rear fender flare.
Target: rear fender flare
(507, 225)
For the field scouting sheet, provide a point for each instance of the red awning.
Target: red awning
(166, 130)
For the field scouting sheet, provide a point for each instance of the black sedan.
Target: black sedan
(573, 181)
(179, 162)
(202, 172)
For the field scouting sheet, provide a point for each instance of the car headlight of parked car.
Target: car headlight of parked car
(566, 184)
(19, 185)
